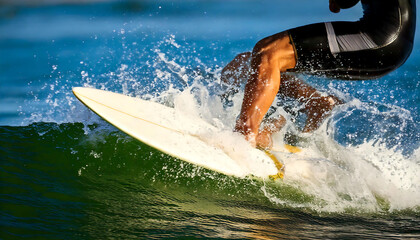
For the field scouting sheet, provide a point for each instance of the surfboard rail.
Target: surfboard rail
(180, 136)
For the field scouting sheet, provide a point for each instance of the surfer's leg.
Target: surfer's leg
(270, 57)
(318, 106)
(234, 74)
(237, 71)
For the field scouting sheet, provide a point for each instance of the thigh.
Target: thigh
(275, 51)
(312, 51)
(342, 50)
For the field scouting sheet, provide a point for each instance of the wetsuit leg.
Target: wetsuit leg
(346, 53)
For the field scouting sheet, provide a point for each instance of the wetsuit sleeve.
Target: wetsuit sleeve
(344, 4)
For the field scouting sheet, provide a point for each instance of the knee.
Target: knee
(274, 52)
(264, 53)
(261, 48)
(243, 57)
(237, 70)
(261, 45)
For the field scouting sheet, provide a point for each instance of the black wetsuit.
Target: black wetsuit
(377, 44)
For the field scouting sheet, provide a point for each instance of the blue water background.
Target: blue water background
(45, 49)
(83, 179)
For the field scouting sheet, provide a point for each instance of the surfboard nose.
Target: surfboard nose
(86, 91)
(80, 90)
(77, 90)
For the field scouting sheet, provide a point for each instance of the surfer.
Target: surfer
(369, 48)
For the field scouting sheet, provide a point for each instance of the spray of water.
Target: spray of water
(341, 167)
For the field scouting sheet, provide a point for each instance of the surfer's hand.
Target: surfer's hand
(334, 7)
(262, 139)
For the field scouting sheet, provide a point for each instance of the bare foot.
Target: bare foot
(317, 109)
(263, 139)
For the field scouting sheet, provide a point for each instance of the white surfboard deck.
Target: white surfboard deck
(184, 137)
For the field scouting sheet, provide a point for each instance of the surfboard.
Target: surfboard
(188, 138)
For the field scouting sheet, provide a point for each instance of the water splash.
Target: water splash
(357, 159)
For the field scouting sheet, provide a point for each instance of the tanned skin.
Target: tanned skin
(271, 57)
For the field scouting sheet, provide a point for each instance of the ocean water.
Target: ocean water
(67, 174)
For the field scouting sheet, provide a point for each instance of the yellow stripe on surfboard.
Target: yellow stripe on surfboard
(279, 166)
(277, 163)
(292, 149)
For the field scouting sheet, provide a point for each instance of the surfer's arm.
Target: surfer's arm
(334, 7)
(337, 5)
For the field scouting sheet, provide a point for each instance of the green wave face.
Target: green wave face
(77, 181)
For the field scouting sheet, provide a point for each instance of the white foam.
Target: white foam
(339, 177)
(368, 176)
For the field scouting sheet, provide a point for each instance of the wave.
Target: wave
(352, 180)
(363, 158)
